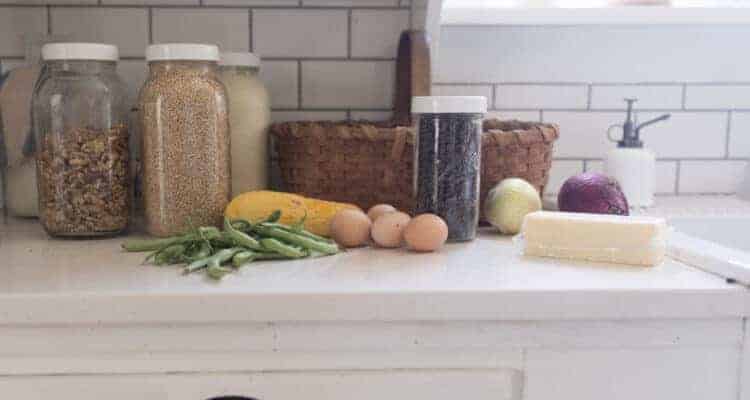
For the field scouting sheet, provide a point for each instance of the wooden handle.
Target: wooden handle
(413, 76)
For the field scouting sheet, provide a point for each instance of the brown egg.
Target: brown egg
(426, 232)
(377, 210)
(350, 228)
(387, 230)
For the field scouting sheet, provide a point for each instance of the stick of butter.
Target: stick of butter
(595, 237)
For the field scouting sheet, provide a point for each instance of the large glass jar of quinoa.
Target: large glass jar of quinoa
(447, 160)
(185, 130)
(79, 120)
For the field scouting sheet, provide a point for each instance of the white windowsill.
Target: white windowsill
(595, 16)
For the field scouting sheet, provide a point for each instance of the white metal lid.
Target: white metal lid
(240, 59)
(182, 51)
(80, 51)
(448, 104)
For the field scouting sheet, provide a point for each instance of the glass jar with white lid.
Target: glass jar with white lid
(249, 116)
(79, 121)
(184, 122)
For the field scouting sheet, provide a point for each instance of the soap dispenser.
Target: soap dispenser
(632, 165)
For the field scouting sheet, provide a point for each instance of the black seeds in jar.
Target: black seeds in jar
(447, 163)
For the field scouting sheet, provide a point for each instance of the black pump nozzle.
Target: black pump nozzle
(631, 133)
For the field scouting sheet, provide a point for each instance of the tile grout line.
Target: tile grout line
(728, 134)
(299, 84)
(349, 34)
(684, 96)
(250, 16)
(588, 96)
(494, 96)
(49, 20)
(677, 170)
(151, 25)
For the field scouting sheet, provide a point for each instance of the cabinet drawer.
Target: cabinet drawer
(327, 385)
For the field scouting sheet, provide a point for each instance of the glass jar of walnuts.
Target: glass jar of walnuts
(79, 116)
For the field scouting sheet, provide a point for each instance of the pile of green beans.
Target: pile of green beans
(220, 252)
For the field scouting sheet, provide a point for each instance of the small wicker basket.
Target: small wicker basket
(367, 163)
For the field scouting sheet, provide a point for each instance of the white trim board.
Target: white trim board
(595, 16)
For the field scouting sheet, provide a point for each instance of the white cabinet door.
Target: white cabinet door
(376, 385)
(698, 373)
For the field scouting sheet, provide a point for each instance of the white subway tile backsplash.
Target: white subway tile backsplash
(666, 177)
(151, 2)
(739, 137)
(531, 116)
(371, 115)
(300, 33)
(649, 96)
(582, 134)
(717, 97)
(562, 170)
(664, 181)
(653, 53)
(347, 84)
(17, 21)
(284, 116)
(710, 176)
(227, 28)
(104, 25)
(280, 78)
(49, 2)
(375, 33)
(541, 96)
(350, 3)
(274, 3)
(686, 135)
(133, 73)
(464, 90)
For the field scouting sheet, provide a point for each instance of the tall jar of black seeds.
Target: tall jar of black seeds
(447, 160)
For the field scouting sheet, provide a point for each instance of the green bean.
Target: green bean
(217, 272)
(295, 239)
(217, 259)
(139, 245)
(204, 250)
(270, 256)
(301, 232)
(240, 238)
(170, 255)
(282, 248)
(242, 258)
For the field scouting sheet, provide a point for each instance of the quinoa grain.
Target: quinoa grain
(186, 159)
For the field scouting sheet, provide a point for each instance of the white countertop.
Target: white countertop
(63, 281)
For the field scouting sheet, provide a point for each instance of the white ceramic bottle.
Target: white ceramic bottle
(632, 165)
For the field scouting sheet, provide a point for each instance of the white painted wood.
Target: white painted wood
(686, 374)
(647, 15)
(744, 369)
(56, 282)
(332, 385)
(297, 346)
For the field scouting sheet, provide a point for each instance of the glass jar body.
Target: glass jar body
(249, 118)
(79, 119)
(185, 146)
(447, 170)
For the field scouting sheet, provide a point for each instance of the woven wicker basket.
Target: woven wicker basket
(368, 163)
(516, 149)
